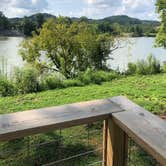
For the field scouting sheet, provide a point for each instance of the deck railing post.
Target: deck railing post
(115, 145)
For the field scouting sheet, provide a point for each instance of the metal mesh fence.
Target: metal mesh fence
(75, 146)
(139, 157)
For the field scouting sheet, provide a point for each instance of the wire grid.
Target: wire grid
(75, 146)
(139, 157)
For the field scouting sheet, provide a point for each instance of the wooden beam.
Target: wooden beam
(117, 145)
(26, 123)
(105, 136)
(146, 129)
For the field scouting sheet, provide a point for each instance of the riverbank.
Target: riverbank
(11, 33)
(147, 91)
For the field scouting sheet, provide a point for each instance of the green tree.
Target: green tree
(161, 36)
(40, 20)
(4, 22)
(67, 47)
(28, 26)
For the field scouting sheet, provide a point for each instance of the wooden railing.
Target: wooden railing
(122, 119)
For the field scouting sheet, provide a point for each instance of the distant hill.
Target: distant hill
(126, 20)
(32, 17)
(120, 19)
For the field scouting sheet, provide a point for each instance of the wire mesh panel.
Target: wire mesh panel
(139, 157)
(75, 146)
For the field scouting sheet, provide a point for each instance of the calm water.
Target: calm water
(9, 48)
(137, 49)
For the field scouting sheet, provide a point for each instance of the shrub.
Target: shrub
(6, 87)
(164, 67)
(51, 81)
(144, 67)
(97, 77)
(85, 77)
(153, 65)
(72, 82)
(131, 69)
(26, 79)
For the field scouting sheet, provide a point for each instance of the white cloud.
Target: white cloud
(14, 8)
(144, 9)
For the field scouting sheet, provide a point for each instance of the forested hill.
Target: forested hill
(115, 25)
(124, 20)
(120, 19)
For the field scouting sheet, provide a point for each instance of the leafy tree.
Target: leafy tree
(83, 19)
(28, 26)
(161, 36)
(67, 47)
(4, 22)
(40, 20)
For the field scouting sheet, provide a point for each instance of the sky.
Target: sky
(96, 9)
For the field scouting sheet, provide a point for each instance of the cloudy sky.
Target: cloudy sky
(143, 9)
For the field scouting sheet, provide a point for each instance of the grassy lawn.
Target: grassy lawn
(148, 91)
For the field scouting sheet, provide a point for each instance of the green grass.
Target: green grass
(148, 91)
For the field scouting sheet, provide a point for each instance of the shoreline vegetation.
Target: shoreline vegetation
(147, 91)
(66, 62)
(119, 25)
(14, 33)
(30, 80)
(11, 33)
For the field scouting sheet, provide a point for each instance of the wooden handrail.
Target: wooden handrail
(146, 129)
(122, 119)
(20, 124)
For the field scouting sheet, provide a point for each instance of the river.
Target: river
(137, 49)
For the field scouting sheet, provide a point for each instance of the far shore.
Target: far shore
(11, 33)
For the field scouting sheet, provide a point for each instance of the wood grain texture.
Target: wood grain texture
(146, 129)
(116, 145)
(26, 123)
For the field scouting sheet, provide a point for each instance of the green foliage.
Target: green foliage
(39, 20)
(161, 36)
(69, 47)
(114, 25)
(26, 79)
(147, 91)
(149, 66)
(27, 26)
(51, 81)
(96, 77)
(6, 87)
(137, 31)
(132, 67)
(164, 67)
(4, 22)
(72, 83)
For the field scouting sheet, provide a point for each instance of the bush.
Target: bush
(85, 77)
(51, 81)
(26, 79)
(131, 69)
(96, 77)
(142, 67)
(153, 65)
(6, 87)
(164, 67)
(150, 66)
(72, 82)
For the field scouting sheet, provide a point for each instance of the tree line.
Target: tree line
(115, 25)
